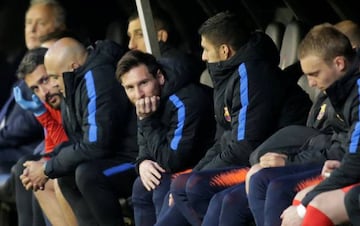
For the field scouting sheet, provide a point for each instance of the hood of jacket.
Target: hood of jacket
(177, 75)
(259, 47)
(102, 52)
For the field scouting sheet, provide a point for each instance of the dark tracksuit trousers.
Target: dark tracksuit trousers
(272, 190)
(229, 208)
(352, 204)
(192, 193)
(94, 191)
(147, 204)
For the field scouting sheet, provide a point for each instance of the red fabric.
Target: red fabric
(314, 216)
(348, 188)
(54, 131)
(296, 202)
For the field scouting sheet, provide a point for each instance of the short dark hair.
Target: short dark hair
(225, 28)
(58, 10)
(30, 61)
(135, 58)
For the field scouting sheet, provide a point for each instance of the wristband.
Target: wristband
(301, 210)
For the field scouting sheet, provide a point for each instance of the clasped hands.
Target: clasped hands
(33, 176)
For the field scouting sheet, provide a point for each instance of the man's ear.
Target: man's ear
(162, 35)
(160, 77)
(340, 63)
(224, 52)
(74, 66)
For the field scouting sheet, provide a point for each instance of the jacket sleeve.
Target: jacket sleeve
(349, 171)
(21, 128)
(171, 145)
(104, 115)
(321, 148)
(254, 108)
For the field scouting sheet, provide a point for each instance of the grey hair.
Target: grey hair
(59, 10)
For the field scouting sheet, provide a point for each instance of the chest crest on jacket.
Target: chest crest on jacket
(321, 112)
(227, 114)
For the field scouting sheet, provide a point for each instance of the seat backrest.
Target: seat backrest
(276, 32)
(294, 32)
(116, 31)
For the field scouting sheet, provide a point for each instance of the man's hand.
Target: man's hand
(290, 217)
(33, 176)
(329, 166)
(25, 180)
(147, 106)
(150, 174)
(272, 159)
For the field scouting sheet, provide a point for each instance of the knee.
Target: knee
(319, 202)
(235, 198)
(257, 182)
(86, 176)
(352, 199)
(138, 190)
(196, 184)
(18, 168)
(253, 170)
(178, 184)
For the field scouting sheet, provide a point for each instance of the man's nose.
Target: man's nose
(139, 93)
(132, 43)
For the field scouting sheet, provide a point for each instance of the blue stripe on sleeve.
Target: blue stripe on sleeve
(181, 120)
(356, 133)
(118, 169)
(90, 87)
(244, 89)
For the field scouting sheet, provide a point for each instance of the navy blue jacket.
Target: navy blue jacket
(344, 95)
(97, 115)
(183, 128)
(249, 96)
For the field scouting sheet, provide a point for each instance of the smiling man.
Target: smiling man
(175, 127)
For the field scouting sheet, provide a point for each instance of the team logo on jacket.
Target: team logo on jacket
(321, 112)
(227, 114)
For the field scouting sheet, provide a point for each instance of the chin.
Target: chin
(55, 106)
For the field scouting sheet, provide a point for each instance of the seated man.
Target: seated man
(327, 58)
(313, 148)
(176, 125)
(47, 111)
(100, 123)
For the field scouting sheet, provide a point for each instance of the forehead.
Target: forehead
(136, 74)
(40, 11)
(205, 43)
(311, 63)
(36, 75)
(134, 25)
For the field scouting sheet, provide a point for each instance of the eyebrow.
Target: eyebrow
(312, 73)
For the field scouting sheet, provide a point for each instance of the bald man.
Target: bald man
(101, 125)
